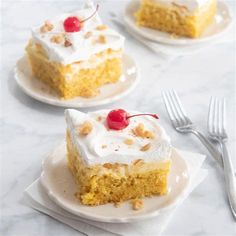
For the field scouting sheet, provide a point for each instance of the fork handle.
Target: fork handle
(229, 178)
(214, 152)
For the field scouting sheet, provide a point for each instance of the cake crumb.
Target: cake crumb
(117, 204)
(77, 195)
(129, 141)
(46, 27)
(137, 204)
(104, 146)
(101, 27)
(145, 147)
(88, 35)
(85, 128)
(174, 36)
(57, 38)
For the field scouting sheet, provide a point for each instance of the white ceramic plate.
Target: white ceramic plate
(222, 21)
(60, 186)
(108, 93)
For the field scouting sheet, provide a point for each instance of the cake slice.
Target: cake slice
(180, 17)
(75, 53)
(113, 161)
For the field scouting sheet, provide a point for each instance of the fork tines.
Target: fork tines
(216, 118)
(175, 109)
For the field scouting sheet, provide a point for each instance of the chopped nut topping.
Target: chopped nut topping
(46, 27)
(88, 35)
(67, 43)
(104, 146)
(85, 128)
(137, 204)
(138, 162)
(108, 165)
(129, 141)
(145, 147)
(101, 27)
(141, 132)
(102, 39)
(99, 118)
(57, 38)
(149, 134)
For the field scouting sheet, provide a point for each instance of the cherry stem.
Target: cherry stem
(91, 15)
(153, 115)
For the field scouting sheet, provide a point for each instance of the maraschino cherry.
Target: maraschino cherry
(119, 119)
(73, 24)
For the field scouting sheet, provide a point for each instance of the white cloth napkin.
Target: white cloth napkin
(36, 197)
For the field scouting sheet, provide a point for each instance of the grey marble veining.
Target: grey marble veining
(30, 129)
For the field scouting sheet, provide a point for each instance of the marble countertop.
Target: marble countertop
(30, 129)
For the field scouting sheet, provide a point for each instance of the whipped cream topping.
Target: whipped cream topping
(82, 47)
(102, 145)
(191, 5)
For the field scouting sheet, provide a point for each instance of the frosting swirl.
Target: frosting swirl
(110, 146)
(81, 47)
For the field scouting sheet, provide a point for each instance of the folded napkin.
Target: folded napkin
(36, 197)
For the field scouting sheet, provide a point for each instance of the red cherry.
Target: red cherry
(119, 119)
(73, 24)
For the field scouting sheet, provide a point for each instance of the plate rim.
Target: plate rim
(110, 219)
(66, 103)
(184, 41)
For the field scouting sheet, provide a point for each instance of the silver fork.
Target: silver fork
(217, 132)
(183, 124)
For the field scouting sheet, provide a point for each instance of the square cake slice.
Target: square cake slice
(180, 17)
(111, 166)
(75, 53)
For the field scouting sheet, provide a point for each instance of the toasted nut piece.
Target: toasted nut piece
(46, 27)
(129, 141)
(99, 118)
(149, 134)
(67, 43)
(102, 39)
(85, 128)
(57, 38)
(108, 165)
(145, 147)
(138, 162)
(140, 131)
(88, 35)
(137, 204)
(101, 27)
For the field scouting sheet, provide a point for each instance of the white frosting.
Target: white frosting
(82, 48)
(91, 147)
(192, 5)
